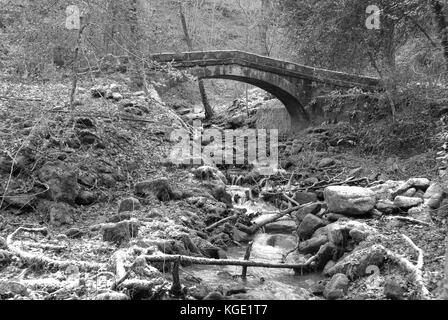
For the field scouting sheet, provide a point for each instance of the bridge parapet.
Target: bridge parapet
(290, 69)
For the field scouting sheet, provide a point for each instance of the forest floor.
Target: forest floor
(86, 194)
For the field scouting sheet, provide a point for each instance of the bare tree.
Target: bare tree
(207, 107)
(134, 45)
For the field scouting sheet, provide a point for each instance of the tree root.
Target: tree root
(35, 258)
(416, 273)
(409, 219)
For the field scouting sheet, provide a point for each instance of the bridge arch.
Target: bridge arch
(286, 92)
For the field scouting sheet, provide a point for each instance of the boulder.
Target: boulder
(309, 224)
(209, 173)
(85, 198)
(312, 245)
(305, 197)
(355, 264)
(61, 181)
(237, 121)
(120, 232)
(392, 289)
(417, 183)
(283, 226)
(386, 206)
(326, 162)
(159, 188)
(407, 202)
(313, 208)
(327, 252)
(60, 214)
(117, 96)
(434, 196)
(421, 212)
(410, 192)
(330, 264)
(385, 190)
(337, 287)
(349, 200)
(129, 204)
(22, 202)
(111, 296)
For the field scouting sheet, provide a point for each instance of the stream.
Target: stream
(261, 283)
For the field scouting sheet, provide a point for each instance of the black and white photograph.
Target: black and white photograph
(223, 155)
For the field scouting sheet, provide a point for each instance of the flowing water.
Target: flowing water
(261, 283)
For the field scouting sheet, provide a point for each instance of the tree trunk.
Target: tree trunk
(206, 104)
(264, 27)
(442, 26)
(134, 46)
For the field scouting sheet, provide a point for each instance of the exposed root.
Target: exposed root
(409, 219)
(416, 273)
(420, 252)
(40, 259)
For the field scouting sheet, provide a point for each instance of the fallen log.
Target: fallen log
(253, 229)
(222, 221)
(222, 262)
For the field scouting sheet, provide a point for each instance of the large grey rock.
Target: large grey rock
(120, 232)
(386, 206)
(305, 197)
(385, 190)
(434, 196)
(349, 200)
(312, 245)
(129, 204)
(407, 202)
(159, 188)
(283, 226)
(417, 183)
(355, 264)
(421, 212)
(325, 162)
(309, 224)
(60, 214)
(337, 287)
(393, 289)
(209, 173)
(313, 208)
(61, 181)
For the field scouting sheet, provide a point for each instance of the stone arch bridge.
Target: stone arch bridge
(293, 84)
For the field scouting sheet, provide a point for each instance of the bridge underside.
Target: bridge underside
(290, 91)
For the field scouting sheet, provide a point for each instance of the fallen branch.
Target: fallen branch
(222, 262)
(290, 199)
(323, 186)
(20, 99)
(409, 219)
(285, 255)
(39, 258)
(222, 221)
(257, 226)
